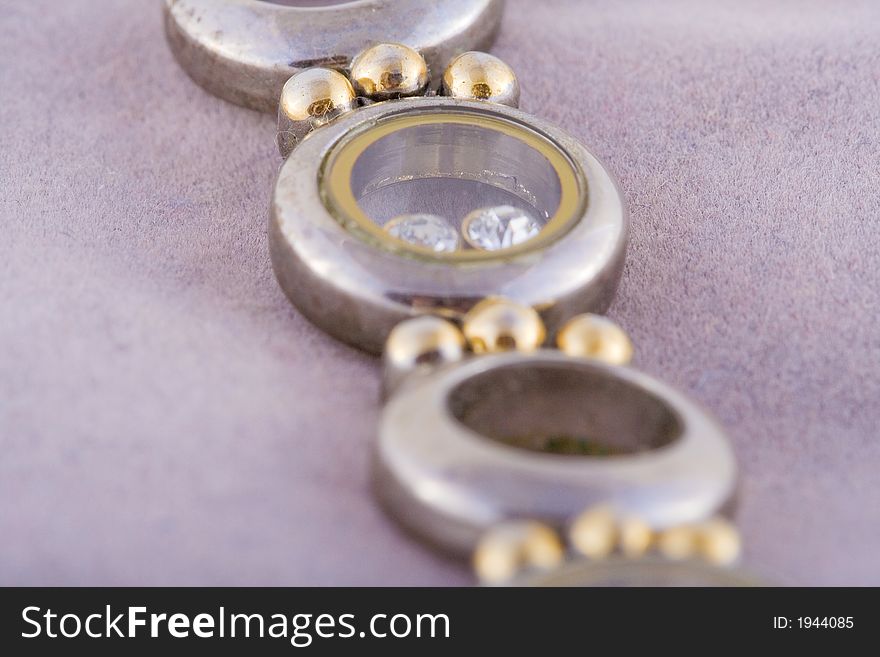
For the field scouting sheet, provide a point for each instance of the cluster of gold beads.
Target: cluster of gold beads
(386, 71)
(516, 547)
(495, 325)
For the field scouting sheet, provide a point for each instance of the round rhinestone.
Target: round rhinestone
(428, 231)
(499, 227)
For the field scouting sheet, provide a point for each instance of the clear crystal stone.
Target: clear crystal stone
(426, 230)
(499, 227)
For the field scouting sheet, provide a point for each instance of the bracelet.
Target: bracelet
(426, 218)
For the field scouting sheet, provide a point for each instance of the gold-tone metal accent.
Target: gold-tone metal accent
(496, 324)
(481, 76)
(719, 542)
(678, 542)
(309, 100)
(509, 548)
(594, 532)
(595, 336)
(317, 94)
(635, 537)
(425, 340)
(598, 534)
(340, 200)
(389, 70)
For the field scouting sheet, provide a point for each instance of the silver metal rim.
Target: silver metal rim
(649, 571)
(449, 484)
(245, 50)
(358, 292)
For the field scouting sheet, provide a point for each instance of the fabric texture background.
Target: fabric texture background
(166, 417)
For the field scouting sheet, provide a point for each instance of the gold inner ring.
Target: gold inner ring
(336, 188)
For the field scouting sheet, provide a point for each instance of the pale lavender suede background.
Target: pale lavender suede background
(166, 417)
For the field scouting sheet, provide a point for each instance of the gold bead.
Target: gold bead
(509, 548)
(424, 340)
(719, 542)
(594, 532)
(497, 324)
(310, 99)
(678, 542)
(594, 336)
(481, 76)
(389, 70)
(635, 537)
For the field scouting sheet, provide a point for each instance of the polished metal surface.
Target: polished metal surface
(481, 76)
(651, 571)
(245, 50)
(309, 100)
(389, 70)
(542, 436)
(357, 283)
(419, 345)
